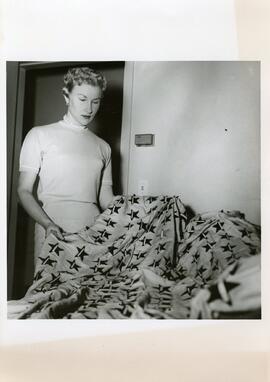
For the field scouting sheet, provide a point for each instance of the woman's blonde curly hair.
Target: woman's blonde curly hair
(84, 75)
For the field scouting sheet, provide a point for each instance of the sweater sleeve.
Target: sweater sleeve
(107, 170)
(30, 156)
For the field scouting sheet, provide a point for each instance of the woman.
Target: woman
(73, 164)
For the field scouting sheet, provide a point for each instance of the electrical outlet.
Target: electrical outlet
(143, 187)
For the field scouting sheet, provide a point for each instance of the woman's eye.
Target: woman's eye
(82, 99)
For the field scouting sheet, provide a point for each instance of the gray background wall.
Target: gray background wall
(206, 121)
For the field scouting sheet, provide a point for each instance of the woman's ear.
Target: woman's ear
(66, 95)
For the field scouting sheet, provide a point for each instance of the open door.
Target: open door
(34, 98)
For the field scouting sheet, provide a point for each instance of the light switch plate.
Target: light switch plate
(143, 187)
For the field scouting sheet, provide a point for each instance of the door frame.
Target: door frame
(127, 118)
(15, 117)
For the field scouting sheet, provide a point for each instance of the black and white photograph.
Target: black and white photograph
(133, 190)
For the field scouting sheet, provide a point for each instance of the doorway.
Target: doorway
(34, 99)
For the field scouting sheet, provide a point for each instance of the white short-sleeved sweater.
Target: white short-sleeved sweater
(72, 164)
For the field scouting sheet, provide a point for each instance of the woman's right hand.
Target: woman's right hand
(55, 230)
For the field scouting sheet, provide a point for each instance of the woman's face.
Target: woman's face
(83, 103)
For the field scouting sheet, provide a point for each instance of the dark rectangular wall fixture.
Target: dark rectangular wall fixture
(144, 139)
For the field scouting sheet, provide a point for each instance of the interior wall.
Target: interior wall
(206, 121)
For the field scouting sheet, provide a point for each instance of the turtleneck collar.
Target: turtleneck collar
(70, 124)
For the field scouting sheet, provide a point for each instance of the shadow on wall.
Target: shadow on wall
(190, 213)
(107, 125)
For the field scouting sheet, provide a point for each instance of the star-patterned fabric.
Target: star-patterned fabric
(142, 260)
